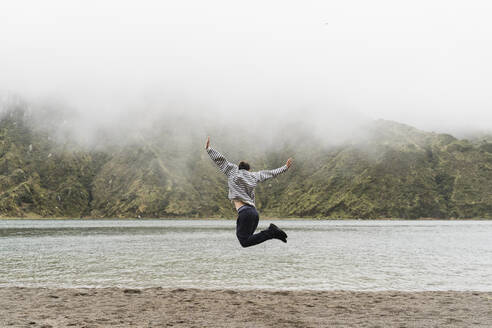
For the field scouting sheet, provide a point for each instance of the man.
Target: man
(241, 192)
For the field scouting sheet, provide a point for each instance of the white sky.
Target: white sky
(424, 63)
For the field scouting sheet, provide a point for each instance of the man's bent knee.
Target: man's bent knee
(244, 242)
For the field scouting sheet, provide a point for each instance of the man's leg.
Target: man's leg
(246, 224)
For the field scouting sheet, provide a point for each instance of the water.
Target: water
(319, 255)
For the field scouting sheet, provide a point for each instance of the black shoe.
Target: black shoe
(277, 233)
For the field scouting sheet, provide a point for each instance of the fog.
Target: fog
(327, 66)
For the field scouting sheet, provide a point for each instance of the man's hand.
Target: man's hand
(289, 162)
(208, 143)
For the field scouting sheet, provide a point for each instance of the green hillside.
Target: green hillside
(396, 172)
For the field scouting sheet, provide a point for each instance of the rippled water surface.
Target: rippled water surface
(352, 255)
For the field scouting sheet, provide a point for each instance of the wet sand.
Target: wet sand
(157, 307)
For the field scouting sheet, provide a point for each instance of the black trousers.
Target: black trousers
(246, 224)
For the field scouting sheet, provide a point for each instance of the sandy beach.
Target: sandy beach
(157, 307)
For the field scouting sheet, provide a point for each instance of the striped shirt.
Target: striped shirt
(242, 183)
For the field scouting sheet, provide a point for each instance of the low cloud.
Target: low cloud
(262, 70)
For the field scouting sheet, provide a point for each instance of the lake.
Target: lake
(319, 255)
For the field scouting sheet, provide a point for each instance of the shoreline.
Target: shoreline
(178, 307)
(233, 218)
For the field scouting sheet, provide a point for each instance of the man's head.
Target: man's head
(244, 166)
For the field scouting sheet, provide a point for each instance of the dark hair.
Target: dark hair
(244, 166)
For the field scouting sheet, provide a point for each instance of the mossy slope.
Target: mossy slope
(397, 171)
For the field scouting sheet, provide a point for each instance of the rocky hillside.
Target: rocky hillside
(396, 171)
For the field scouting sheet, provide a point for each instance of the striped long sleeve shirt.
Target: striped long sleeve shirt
(242, 183)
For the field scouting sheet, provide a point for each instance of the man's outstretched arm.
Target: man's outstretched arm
(267, 174)
(225, 166)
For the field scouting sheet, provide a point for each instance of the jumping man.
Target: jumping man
(241, 192)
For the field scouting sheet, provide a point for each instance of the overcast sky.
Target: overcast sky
(424, 63)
